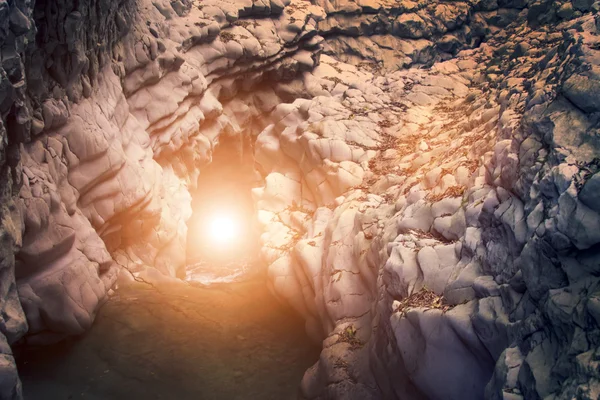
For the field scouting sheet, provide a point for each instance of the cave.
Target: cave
(223, 229)
(347, 200)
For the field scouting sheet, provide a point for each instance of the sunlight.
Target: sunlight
(223, 229)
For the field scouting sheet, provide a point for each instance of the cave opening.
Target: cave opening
(223, 335)
(223, 236)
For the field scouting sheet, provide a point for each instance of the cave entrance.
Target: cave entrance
(223, 235)
(222, 336)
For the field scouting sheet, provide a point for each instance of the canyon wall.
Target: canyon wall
(439, 228)
(109, 112)
(430, 198)
(444, 228)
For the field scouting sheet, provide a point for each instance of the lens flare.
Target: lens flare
(223, 229)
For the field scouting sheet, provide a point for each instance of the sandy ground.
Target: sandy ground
(231, 341)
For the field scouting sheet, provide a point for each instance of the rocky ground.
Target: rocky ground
(430, 177)
(177, 341)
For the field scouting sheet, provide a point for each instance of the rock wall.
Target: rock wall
(394, 35)
(439, 228)
(109, 110)
(430, 199)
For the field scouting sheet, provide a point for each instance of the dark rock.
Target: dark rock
(13, 67)
(582, 90)
(519, 4)
(565, 11)
(541, 268)
(7, 92)
(521, 49)
(583, 5)
(503, 17)
(19, 23)
(410, 26)
(449, 44)
(590, 194)
(488, 5)
(4, 20)
(542, 12)
(10, 385)
(485, 286)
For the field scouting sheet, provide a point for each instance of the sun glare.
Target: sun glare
(223, 229)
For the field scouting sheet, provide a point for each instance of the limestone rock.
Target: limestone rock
(581, 89)
(475, 177)
(590, 194)
(10, 385)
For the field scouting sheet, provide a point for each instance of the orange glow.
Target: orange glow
(223, 229)
(221, 232)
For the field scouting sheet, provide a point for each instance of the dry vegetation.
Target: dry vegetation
(226, 36)
(424, 298)
(243, 24)
(452, 191)
(348, 335)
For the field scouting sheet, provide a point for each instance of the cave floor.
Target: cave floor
(232, 341)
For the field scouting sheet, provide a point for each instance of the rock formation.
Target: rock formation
(431, 177)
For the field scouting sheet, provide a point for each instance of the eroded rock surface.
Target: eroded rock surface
(410, 150)
(469, 179)
(109, 117)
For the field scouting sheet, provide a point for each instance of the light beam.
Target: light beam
(223, 229)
